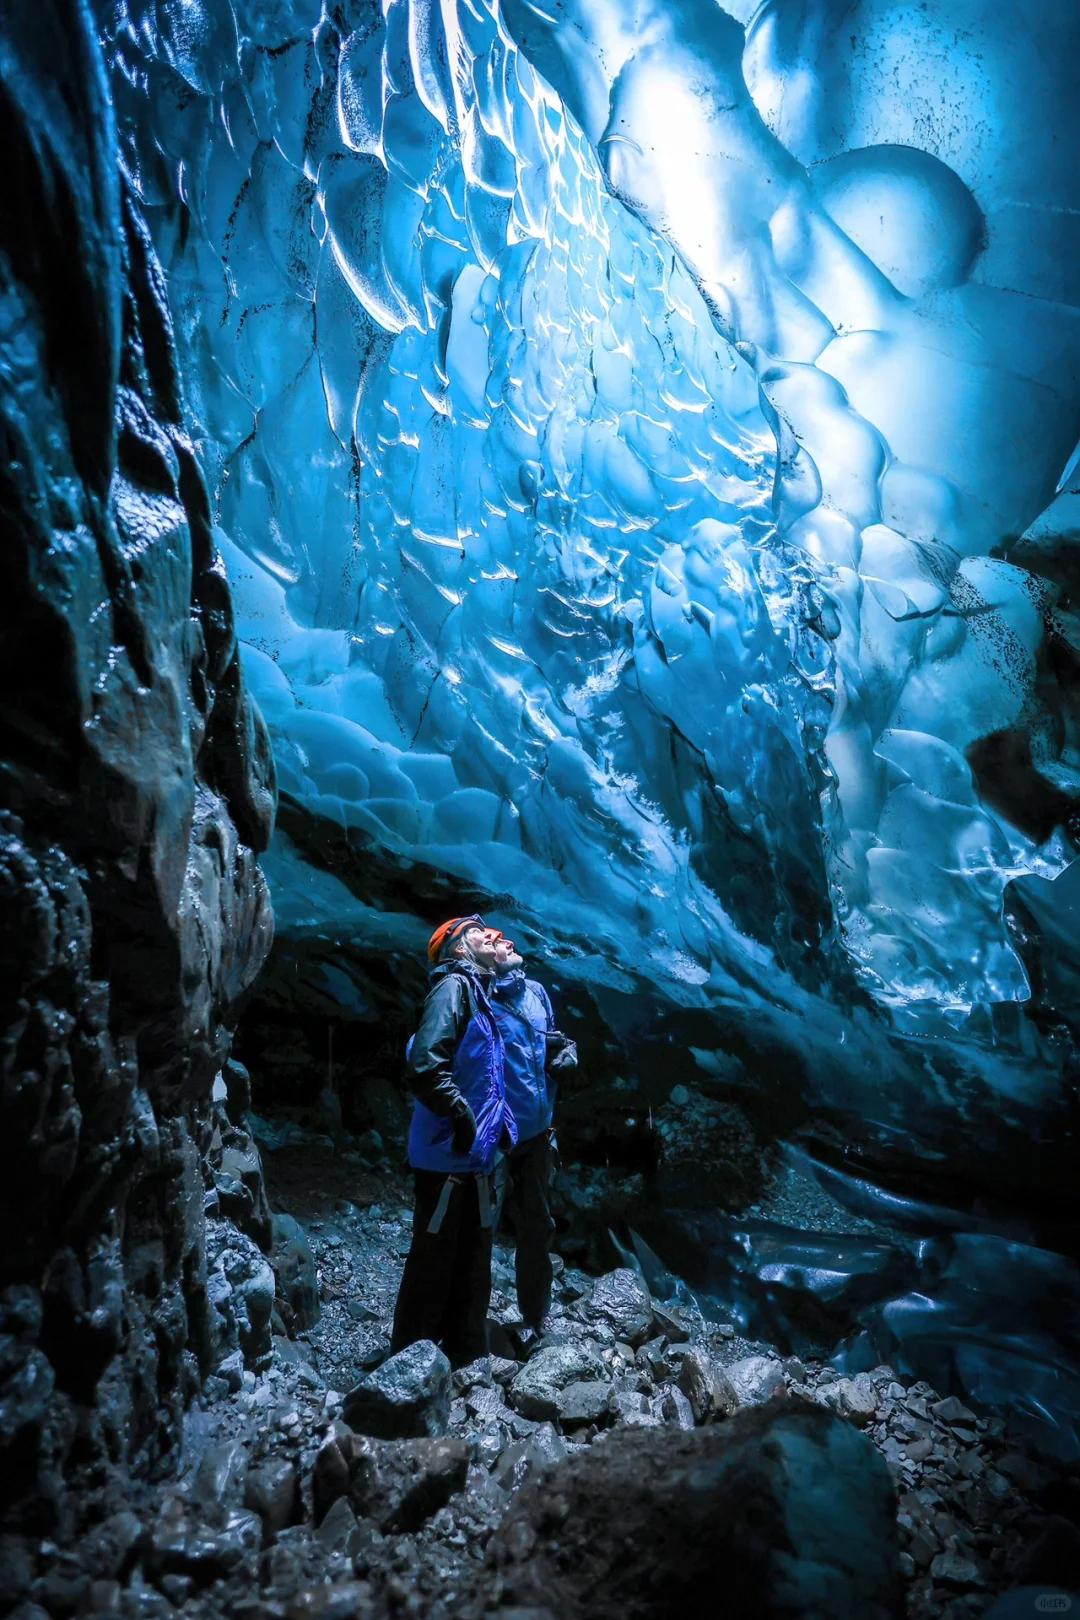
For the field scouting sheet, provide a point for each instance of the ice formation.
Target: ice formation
(631, 422)
(619, 490)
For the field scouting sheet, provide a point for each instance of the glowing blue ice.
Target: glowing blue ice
(619, 423)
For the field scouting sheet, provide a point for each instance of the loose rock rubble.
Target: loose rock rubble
(334, 1480)
(408, 1395)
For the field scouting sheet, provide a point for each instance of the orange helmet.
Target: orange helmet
(447, 932)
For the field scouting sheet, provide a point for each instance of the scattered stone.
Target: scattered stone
(484, 1402)
(220, 1476)
(477, 1372)
(574, 1284)
(488, 1445)
(672, 1406)
(852, 1398)
(583, 1402)
(633, 1410)
(522, 1458)
(338, 1525)
(240, 1293)
(179, 1544)
(177, 1588)
(272, 1491)
(296, 1273)
(536, 1388)
(621, 1299)
(408, 1396)
(922, 1550)
(654, 1359)
(954, 1570)
(63, 1589)
(110, 1549)
(360, 1311)
(400, 1484)
(332, 1470)
(954, 1413)
(231, 1370)
(755, 1379)
(397, 1484)
(890, 1448)
(706, 1387)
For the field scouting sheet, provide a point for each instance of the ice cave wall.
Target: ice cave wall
(136, 789)
(622, 466)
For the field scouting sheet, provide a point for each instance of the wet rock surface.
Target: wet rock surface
(136, 791)
(641, 1524)
(878, 1496)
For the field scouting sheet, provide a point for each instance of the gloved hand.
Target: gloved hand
(561, 1052)
(463, 1134)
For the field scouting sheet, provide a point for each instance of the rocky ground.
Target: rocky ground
(331, 1481)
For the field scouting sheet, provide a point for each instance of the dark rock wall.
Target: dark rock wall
(136, 790)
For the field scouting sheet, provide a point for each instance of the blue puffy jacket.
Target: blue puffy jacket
(525, 1019)
(454, 1064)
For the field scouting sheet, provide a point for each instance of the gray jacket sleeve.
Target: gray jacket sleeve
(429, 1072)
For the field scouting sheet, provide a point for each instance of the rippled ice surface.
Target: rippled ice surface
(630, 431)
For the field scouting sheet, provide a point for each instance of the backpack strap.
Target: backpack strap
(438, 1214)
(478, 998)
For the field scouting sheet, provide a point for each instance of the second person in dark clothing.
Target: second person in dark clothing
(461, 1124)
(535, 1054)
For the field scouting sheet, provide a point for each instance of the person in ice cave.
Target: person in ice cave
(536, 1053)
(461, 1124)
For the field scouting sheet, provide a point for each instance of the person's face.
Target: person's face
(483, 945)
(506, 955)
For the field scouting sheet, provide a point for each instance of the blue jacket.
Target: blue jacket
(454, 1063)
(525, 1019)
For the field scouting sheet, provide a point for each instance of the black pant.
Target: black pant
(446, 1285)
(530, 1169)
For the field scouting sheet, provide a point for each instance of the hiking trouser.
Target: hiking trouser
(530, 1170)
(446, 1285)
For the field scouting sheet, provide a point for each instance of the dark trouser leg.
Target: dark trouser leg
(446, 1285)
(530, 1210)
(425, 1282)
(465, 1325)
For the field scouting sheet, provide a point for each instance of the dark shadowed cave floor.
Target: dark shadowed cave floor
(263, 1522)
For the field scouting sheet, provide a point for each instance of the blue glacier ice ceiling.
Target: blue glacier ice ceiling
(642, 441)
